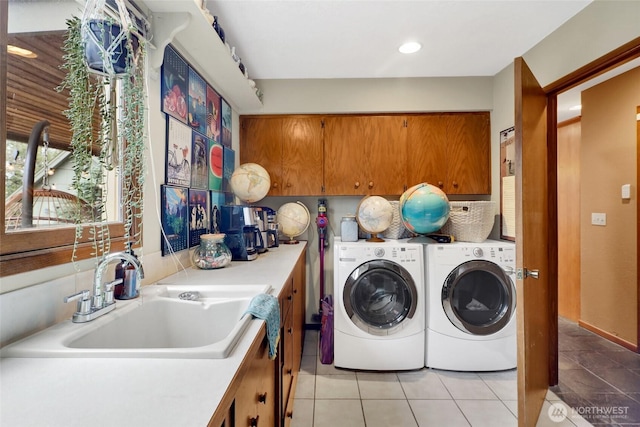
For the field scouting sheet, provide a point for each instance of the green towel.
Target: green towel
(266, 307)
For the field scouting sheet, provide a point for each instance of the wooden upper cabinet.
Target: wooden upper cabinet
(261, 143)
(365, 155)
(451, 151)
(289, 148)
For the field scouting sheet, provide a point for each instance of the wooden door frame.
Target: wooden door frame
(615, 58)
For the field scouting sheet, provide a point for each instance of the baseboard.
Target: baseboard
(609, 336)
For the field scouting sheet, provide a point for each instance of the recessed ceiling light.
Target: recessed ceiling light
(15, 50)
(410, 47)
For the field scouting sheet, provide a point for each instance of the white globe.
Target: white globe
(250, 182)
(293, 219)
(374, 215)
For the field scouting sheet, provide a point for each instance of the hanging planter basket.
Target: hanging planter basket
(108, 40)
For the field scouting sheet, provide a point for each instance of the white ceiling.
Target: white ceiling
(303, 39)
(323, 39)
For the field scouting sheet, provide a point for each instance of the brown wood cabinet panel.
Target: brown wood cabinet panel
(261, 143)
(469, 154)
(302, 156)
(427, 137)
(255, 402)
(364, 155)
(289, 148)
(451, 151)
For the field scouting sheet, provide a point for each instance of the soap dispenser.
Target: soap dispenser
(128, 289)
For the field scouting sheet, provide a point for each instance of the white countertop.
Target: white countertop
(137, 392)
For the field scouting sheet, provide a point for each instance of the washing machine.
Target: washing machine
(379, 305)
(471, 300)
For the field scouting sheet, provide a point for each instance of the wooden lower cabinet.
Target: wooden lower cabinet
(264, 388)
(255, 400)
(292, 303)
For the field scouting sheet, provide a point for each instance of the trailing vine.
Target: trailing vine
(120, 100)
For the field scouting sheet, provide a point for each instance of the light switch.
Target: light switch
(598, 218)
(626, 191)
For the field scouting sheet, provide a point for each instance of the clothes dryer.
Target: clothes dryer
(471, 322)
(379, 305)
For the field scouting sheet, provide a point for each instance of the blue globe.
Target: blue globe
(424, 208)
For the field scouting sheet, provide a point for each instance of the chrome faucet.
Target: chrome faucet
(102, 302)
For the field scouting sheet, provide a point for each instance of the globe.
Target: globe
(293, 220)
(250, 182)
(424, 208)
(374, 215)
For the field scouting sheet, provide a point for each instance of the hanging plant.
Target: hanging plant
(104, 60)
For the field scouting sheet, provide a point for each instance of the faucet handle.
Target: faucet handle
(84, 301)
(108, 291)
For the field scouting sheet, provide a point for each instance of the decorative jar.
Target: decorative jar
(212, 252)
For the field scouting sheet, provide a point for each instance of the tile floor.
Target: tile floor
(330, 397)
(598, 378)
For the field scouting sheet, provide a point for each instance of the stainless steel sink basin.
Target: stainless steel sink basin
(160, 324)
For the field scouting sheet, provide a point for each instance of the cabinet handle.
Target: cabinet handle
(289, 297)
(455, 184)
(440, 184)
(295, 291)
(290, 331)
(253, 422)
(370, 184)
(289, 371)
(262, 398)
(275, 185)
(288, 184)
(290, 414)
(357, 184)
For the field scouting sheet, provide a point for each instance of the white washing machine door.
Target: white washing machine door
(380, 296)
(478, 297)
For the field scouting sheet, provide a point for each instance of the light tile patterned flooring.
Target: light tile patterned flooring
(330, 397)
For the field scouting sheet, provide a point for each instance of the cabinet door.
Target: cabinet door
(386, 152)
(427, 160)
(302, 156)
(345, 159)
(364, 155)
(255, 402)
(299, 301)
(261, 143)
(469, 154)
(451, 151)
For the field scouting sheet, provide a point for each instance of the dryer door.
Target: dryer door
(379, 296)
(478, 297)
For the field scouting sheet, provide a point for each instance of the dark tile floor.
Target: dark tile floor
(598, 379)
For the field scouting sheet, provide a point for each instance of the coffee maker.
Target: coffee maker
(268, 226)
(242, 234)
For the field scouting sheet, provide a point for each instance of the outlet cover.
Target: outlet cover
(598, 218)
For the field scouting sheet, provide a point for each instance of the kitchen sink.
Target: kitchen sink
(162, 323)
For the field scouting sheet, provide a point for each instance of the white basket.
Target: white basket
(396, 230)
(470, 221)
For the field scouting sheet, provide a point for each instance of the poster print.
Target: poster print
(228, 166)
(178, 163)
(217, 200)
(214, 115)
(174, 84)
(216, 160)
(174, 219)
(198, 215)
(199, 168)
(226, 124)
(508, 184)
(197, 102)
